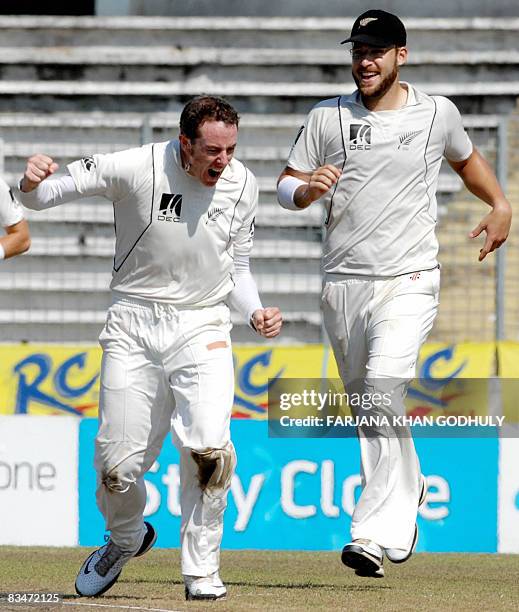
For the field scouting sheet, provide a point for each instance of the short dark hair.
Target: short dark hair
(206, 108)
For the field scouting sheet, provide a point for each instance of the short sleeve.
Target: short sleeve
(11, 211)
(307, 153)
(458, 145)
(112, 175)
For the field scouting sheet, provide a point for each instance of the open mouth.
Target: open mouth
(368, 77)
(213, 173)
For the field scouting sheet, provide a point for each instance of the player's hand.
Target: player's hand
(268, 321)
(321, 181)
(497, 226)
(38, 168)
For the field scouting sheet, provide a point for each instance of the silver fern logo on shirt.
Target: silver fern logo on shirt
(407, 138)
(213, 214)
(360, 137)
(170, 207)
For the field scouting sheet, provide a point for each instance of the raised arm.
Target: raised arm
(39, 189)
(38, 168)
(109, 175)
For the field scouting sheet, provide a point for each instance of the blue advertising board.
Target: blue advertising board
(299, 494)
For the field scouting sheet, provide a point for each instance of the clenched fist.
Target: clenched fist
(268, 321)
(38, 168)
(322, 180)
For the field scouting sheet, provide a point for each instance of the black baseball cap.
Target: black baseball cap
(378, 28)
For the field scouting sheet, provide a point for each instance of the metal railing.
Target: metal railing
(59, 291)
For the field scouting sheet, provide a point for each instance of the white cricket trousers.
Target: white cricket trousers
(376, 327)
(164, 369)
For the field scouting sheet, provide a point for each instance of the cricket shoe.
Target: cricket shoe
(365, 557)
(102, 568)
(397, 555)
(207, 588)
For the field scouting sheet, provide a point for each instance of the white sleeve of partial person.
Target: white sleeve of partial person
(11, 212)
(458, 146)
(286, 190)
(51, 192)
(244, 298)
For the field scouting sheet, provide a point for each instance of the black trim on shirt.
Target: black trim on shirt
(115, 231)
(151, 212)
(427, 186)
(234, 211)
(329, 215)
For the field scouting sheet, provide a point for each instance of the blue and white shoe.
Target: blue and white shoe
(397, 555)
(102, 568)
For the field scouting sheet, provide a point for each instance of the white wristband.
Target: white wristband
(286, 190)
(2, 252)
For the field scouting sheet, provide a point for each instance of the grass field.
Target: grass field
(260, 580)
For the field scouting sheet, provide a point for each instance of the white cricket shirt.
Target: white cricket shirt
(175, 238)
(11, 211)
(381, 215)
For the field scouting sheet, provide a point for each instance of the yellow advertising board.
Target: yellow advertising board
(508, 359)
(49, 379)
(61, 379)
(452, 380)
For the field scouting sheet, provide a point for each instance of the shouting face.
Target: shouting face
(206, 157)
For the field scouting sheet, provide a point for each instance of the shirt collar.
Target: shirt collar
(411, 97)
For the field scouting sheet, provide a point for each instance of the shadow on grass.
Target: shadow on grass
(309, 585)
(360, 588)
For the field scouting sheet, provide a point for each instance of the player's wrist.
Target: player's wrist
(288, 189)
(26, 186)
(252, 322)
(501, 205)
(304, 198)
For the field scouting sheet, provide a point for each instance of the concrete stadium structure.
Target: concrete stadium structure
(72, 86)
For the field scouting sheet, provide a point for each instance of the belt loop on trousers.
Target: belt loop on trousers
(166, 311)
(158, 310)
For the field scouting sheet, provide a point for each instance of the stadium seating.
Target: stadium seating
(74, 86)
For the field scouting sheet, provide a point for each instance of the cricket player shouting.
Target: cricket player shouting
(374, 158)
(184, 218)
(17, 239)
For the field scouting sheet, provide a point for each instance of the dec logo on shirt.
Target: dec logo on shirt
(170, 207)
(360, 137)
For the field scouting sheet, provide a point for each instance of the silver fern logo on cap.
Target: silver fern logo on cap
(366, 20)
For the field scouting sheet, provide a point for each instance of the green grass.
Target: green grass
(260, 580)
